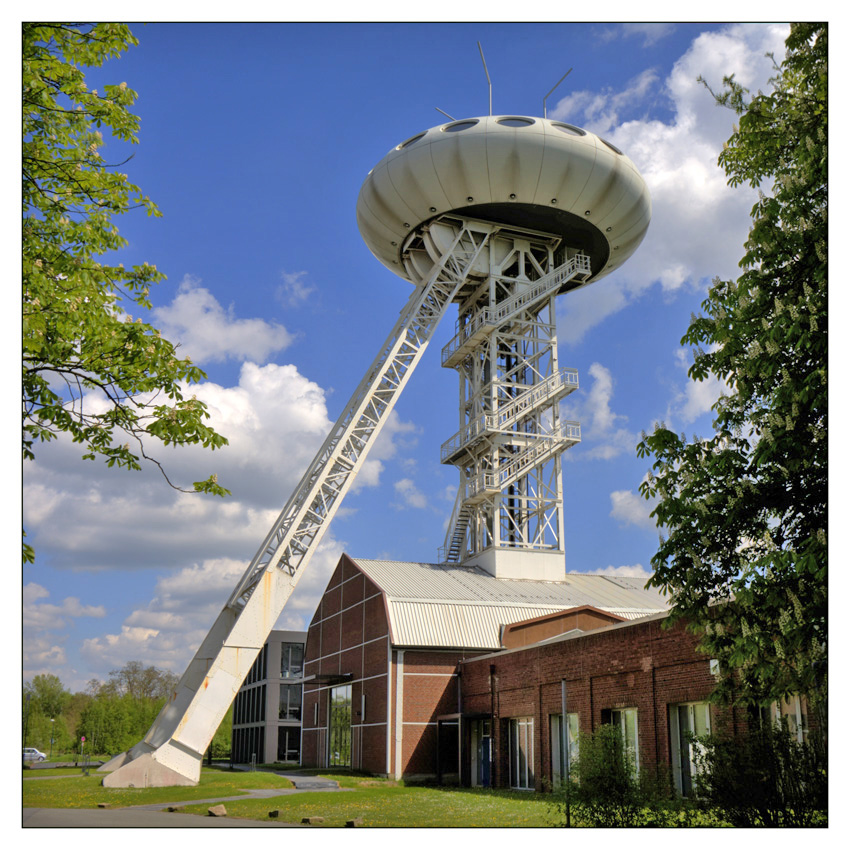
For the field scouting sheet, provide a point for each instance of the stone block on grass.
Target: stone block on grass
(217, 811)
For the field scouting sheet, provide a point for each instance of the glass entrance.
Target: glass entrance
(339, 732)
(481, 744)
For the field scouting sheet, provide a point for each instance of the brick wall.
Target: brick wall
(348, 635)
(636, 665)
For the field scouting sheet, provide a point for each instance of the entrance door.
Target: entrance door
(481, 743)
(339, 732)
(687, 722)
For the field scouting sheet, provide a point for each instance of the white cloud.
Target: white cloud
(410, 494)
(603, 436)
(43, 615)
(649, 32)
(209, 333)
(169, 628)
(631, 508)
(294, 291)
(697, 397)
(633, 571)
(699, 224)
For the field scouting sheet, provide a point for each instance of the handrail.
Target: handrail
(491, 317)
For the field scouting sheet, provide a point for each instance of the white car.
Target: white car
(32, 754)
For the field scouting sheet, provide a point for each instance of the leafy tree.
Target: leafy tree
(89, 368)
(141, 683)
(48, 694)
(744, 511)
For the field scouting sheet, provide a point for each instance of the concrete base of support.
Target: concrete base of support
(144, 772)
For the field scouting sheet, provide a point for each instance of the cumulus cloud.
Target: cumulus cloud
(649, 33)
(699, 224)
(44, 615)
(43, 649)
(697, 397)
(630, 508)
(169, 628)
(603, 432)
(410, 494)
(208, 333)
(628, 570)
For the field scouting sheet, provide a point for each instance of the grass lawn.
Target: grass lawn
(387, 805)
(85, 792)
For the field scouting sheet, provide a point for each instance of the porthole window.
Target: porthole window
(461, 125)
(410, 142)
(569, 129)
(616, 150)
(515, 122)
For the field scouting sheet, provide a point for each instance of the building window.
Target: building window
(558, 747)
(522, 753)
(290, 702)
(291, 660)
(625, 719)
(339, 737)
(688, 721)
(793, 711)
(288, 744)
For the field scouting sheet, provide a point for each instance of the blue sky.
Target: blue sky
(254, 142)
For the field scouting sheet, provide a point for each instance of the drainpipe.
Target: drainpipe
(399, 709)
(566, 745)
(493, 735)
(389, 706)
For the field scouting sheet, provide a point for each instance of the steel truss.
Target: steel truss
(173, 748)
(509, 446)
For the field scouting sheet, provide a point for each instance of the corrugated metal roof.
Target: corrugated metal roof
(445, 605)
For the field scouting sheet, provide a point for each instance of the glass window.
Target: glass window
(515, 122)
(688, 722)
(626, 719)
(461, 125)
(793, 711)
(604, 142)
(411, 141)
(290, 702)
(569, 129)
(339, 737)
(560, 766)
(522, 753)
(291, 660)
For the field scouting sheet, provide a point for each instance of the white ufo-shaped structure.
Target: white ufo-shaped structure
(532, 173)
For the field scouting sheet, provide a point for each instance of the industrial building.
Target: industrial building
(447, 673)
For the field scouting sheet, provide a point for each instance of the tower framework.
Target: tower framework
(498, 214)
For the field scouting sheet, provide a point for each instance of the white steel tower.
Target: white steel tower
(498, 214)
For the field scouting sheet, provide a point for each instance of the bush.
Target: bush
(765, 778)
(608, 792)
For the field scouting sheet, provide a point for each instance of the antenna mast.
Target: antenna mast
(489, 84)
(553, 89)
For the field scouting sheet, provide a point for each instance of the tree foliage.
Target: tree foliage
(743, 512)
(90, 369)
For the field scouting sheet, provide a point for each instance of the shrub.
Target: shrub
(765, 778)
(608, 792)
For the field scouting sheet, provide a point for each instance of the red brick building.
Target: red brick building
(387, 642)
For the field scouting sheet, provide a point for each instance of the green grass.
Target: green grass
(86, 792)
(385, 805)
